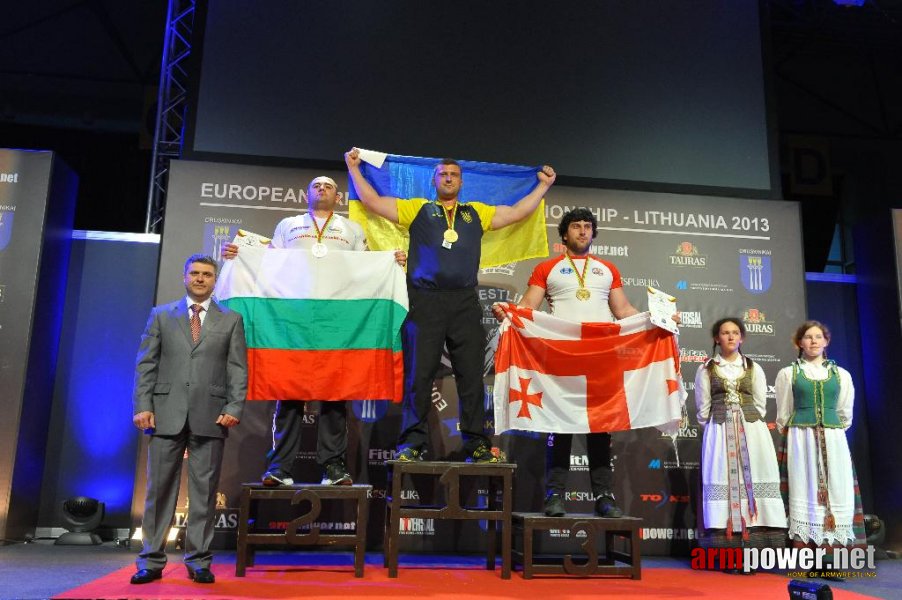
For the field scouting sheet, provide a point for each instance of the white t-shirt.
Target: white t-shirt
(556, 275)
(298, 232)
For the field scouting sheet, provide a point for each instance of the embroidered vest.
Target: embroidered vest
(724, 391)
(814, 402)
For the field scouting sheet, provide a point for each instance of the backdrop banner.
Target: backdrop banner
(719, 256)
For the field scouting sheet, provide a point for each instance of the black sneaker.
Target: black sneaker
(410, 454)
(484, 454)
(276, 478)
(605, 507)
(554, 506)
(336, 473)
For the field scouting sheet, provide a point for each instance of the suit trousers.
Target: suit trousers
(436, 318)
(164, 467)
(601, 466)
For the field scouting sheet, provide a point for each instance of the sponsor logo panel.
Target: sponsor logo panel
(691, 319)
(755, 270)
(6, 224)
(757, 323)
(687, 254)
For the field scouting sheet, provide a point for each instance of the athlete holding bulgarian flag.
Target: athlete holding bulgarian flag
(320, 231)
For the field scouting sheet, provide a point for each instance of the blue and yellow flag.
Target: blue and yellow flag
(493, 184)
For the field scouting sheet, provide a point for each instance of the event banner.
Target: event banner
(37, 202)
(718, 256)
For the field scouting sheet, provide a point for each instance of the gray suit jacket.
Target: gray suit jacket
(179, 381)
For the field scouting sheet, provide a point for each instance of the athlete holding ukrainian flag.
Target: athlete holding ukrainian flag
(443, 263)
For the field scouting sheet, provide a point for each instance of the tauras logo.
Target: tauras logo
(687, 255)
(756, 322)
(9, 178)
(689, 431)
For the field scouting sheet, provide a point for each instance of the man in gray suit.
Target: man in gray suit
(190, 388)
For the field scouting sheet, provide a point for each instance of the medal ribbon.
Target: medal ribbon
(450, 221)
(320, 232)
(580, 276)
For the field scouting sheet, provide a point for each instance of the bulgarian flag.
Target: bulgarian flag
(560, 376)
(493, 184)
(318, 328)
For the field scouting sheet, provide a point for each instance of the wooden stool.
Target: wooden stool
(626, 528)
(500, 477)
(315, 494)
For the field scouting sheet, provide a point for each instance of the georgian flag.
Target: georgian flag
(559, 376)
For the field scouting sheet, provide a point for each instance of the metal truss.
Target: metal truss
(172, 106)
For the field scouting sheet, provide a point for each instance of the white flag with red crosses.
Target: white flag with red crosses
(558, 376)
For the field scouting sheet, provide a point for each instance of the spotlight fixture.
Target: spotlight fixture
(82, 515)
(809, 590)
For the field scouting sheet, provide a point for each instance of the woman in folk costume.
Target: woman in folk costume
(741, 503)
(814, 408)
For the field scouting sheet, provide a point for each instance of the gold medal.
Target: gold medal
(450, 236)
(581, 292)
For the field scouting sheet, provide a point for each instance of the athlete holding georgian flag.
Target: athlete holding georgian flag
(583, 288)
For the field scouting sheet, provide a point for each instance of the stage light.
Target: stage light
(82, 515)
(809, 590)
(848, 3)
(874, 530)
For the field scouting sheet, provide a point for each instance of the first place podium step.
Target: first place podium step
(500, 477)
(253, 493)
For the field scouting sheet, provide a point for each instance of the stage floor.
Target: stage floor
(42, 570)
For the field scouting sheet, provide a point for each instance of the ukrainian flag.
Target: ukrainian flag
(493, 184)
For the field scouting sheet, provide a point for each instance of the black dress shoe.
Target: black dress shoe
(202, 576)
(147, 575)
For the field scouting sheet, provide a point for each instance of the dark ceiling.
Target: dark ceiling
(80, 76)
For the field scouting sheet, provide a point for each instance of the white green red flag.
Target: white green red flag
(558, 376)
(319, 328)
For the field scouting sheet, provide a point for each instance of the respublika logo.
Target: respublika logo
(6, 224)
(369, 411)
(846, 562)
(687, 255)
(640, 282)
(754, 270)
